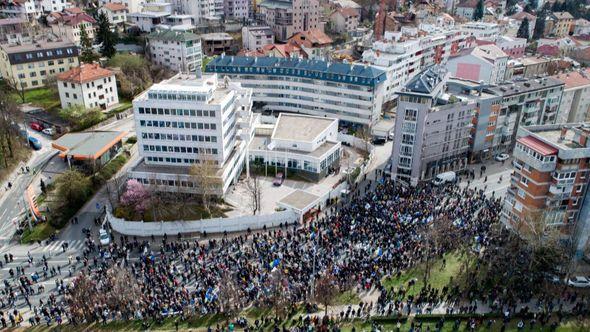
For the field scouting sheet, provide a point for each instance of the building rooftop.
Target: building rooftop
(573, 79)
(299, 200)
(294, 127)
(490, 52)
(217, 36)
(86, 72)
(347, 12)
(427, 80)
(88, 144)
(114, 6)
(275, 4)
(347, 4)
(563, 15)
(523, 86)
(39, 51)
(338, 72)
(11, 21)
(262, 142)
(173, 35)
(150, 14)
(538, 145)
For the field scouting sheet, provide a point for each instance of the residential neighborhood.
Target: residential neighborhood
(295, 165)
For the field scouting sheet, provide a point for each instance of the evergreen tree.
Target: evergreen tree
(534, 4)
(540, 25)
(479, 11)
(528, 8)
(87, 53)
(556, 6)
(523, 30)
(105, 36)
(511, 7)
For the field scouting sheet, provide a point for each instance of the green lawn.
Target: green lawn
(439, 276)
(40, 232)
(42, 97)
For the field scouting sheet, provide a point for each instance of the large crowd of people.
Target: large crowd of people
(379, 231)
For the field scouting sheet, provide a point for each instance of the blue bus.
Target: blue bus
(34, 143)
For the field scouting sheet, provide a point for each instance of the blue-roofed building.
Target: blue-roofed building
(350, 92)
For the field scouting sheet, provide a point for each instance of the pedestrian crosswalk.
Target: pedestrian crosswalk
(56, 246)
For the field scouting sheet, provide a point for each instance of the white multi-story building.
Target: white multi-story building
(116, 12)
(48, 6)
(481, 30)
(351, 93)
(26, 9)
(202, 11)
(254, 38)
(69, 26)
(575, 100)
(133, 6)
(237, 9)
(304, 145)
(177, 50)
(403, 56)
(185, 121)
(88, 85)
(485, 63)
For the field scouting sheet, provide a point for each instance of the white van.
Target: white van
(446, 177)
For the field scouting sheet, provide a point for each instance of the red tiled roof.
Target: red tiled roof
(467, 4)
(77, 19)
(520, 16)
(114, 6)
(85, 73)
(310, 38)
(74, 10)
(538, 145)
(549, 50)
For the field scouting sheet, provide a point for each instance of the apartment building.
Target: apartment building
(216, 43)
(48, 6)
(14, 30)
(88, 85)
(403, 55)
(177, 50)
(345, 20)
(287, 17)
(481, 30)
(133, 6)
(255, 38)
(351, 93)
(432, 128)
(559, 24)
(550, 177)
(185, 121)
(29, 65)
(524, 103)
(575, 101)
(201, 11)
(25, 9)
(237, 9)
(482, 63)
(68, 26)
(116, 12)
(512, 46)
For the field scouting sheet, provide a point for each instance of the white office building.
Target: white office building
(482, 30)
(304, 145)
(88, 85)
(255, 38)
(187, 120)
(404, 54)
(347, 92)
(177, 50)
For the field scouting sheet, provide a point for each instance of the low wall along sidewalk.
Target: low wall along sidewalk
(195, 227)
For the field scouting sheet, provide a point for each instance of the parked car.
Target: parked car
(446, 177)
(104, 237)
(579, 282)
(36, 126)
(378, 141)
(49, 131)
(502, 157)
(552, 278)
(278, 180)
(35, 143)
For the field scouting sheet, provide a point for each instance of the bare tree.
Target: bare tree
(435, 236)
(19, 87)
(254, 189)
(124, 292)
(326, 289)
(278, 292)
(231, 300)
(81, 309)
(205, 177)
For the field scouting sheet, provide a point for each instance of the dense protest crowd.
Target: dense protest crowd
(379, 231)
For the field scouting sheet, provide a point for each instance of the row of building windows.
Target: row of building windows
(173, 160)
(534, 154)
(179, 149)
(179, 137)
(175, 112)
(178, 124)
(41, 64)
(177, 95)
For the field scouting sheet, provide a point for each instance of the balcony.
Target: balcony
(541, 166)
